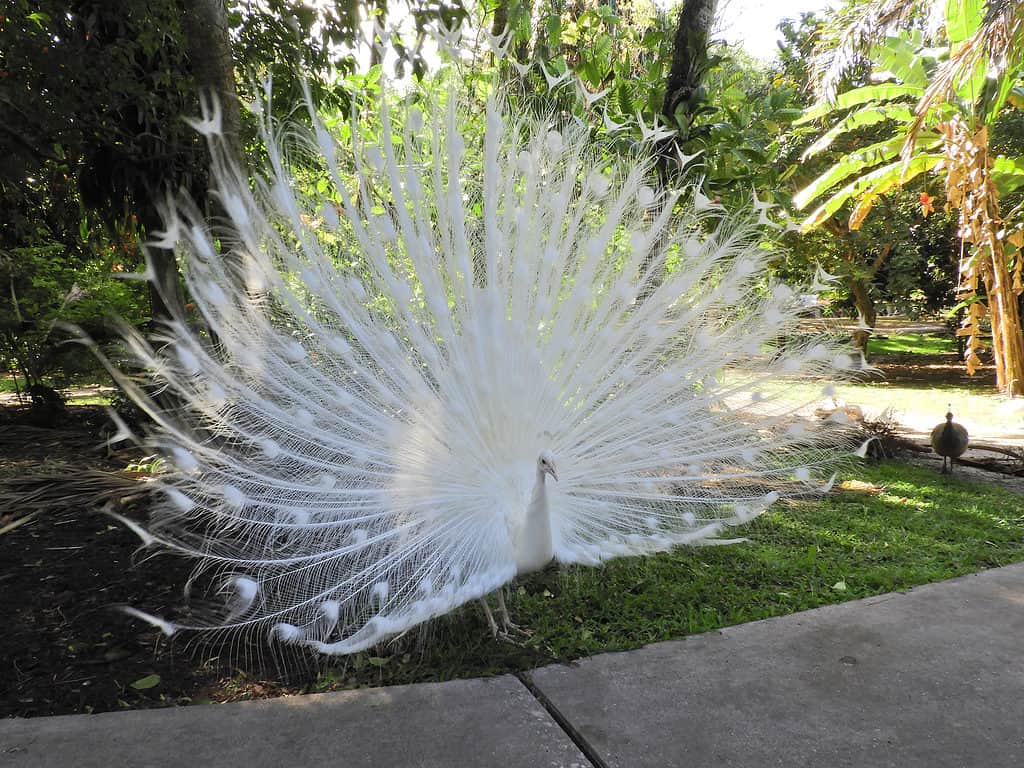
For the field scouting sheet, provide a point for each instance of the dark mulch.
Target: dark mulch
(64, 648)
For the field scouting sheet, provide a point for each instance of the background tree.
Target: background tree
(95, 94)
(942, 104)
(902, 259)
(100, 91)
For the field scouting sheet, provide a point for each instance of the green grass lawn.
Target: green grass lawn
(100, 399)
(921, 343)
(891, 527)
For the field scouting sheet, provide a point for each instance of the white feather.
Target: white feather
(373, 437)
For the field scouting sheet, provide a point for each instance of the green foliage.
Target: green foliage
(93, 95)
(623, 49)
(903, 258)
(96, 89)
(909, 62)
(868, 94)
(314, 45)
(50, 276)
(746, 135)
(100, 89)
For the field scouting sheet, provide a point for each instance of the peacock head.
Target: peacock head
(546, 464)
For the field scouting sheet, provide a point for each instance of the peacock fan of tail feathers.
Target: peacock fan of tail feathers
(468, 357)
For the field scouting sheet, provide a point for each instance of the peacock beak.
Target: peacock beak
(551, 471)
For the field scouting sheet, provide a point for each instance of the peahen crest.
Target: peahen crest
(383, 368)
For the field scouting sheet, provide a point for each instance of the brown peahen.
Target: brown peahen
(949, 440)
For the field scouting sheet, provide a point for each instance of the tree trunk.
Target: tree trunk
(205, 25)
(861, 294)
(499, 22)
(381, 15)
(689, 56)
(1007, 338)
(209, 51)
(686, 76)
(166, 298)
(969, 188)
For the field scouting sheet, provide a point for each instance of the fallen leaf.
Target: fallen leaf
(149, 681)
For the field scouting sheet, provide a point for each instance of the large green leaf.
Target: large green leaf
(1008, 174)
(902, 57)
(872, 185)
(871, 115)
(858, 96)
(972, 88)
(848, 165)
(855, 162)
(1000, 96)
(963, 17)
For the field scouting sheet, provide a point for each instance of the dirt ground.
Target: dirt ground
(65, 648)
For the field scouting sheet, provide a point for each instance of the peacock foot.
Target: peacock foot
(509, 631)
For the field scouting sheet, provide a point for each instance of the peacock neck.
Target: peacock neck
(540, 492)
(538, 514)
(534, 549)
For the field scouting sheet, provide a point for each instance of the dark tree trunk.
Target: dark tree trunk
(499, 22)
(861, 294)
(381, 14)
(209, 51)
(689, 56)
(685, 78)
(166, 298)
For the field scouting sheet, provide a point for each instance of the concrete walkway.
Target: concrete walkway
(933, 677)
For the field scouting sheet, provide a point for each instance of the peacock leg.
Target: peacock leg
(506, 621)
(490, 616)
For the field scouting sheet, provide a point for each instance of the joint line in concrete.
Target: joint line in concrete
(563, 722)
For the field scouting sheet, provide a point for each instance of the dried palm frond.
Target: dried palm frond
(84, 489)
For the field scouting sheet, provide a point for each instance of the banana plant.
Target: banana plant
(862, 176)
(938, 103)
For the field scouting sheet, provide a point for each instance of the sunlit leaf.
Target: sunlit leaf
(858, 96)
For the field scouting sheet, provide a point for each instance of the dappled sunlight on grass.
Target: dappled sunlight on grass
(89, 400)
(917, 343)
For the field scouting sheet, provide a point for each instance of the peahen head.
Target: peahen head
(546, 464)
